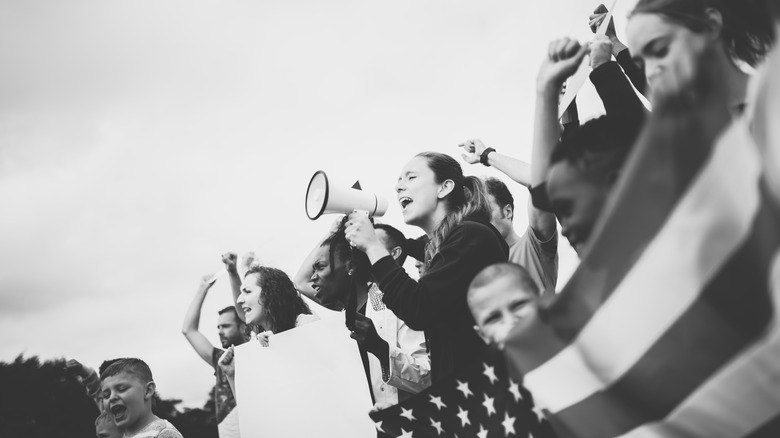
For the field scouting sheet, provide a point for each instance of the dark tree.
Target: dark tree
(43, 400)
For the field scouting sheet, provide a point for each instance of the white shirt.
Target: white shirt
(410, 366)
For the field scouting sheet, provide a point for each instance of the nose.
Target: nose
(313, 276)
(399, 186)
(240, 299)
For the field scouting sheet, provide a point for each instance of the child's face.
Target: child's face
(498, 306)
(126, 396)
(107, 429)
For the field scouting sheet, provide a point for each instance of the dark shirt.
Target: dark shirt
(223, 395)
(634, 72)
(437, 303)
(616, 93)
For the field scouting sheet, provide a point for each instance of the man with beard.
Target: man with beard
(231, 332)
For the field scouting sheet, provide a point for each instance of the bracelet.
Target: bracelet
(483, 157)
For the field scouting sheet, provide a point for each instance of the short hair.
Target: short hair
(497, 189)
(235, 314)
(396, 238)
(601, 145)
(497, 271)
(748, 31)
(279, 298)
(104, 417)
(105, 365)
(136, 367)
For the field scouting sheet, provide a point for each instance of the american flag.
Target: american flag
(669, 327)
(485, 404)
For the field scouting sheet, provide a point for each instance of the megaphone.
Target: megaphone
(324, 198)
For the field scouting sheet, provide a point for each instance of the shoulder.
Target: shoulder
(169, 432)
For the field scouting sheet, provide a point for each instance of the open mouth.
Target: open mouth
(246, 310)
(404, 201)
(119, 412)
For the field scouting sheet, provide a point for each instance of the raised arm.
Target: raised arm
(230, 259)
(518, 170)
(302, 279)
(192, 319)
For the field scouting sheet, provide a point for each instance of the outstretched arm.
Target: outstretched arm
(192, 319)
(230, 259)
(518, 170)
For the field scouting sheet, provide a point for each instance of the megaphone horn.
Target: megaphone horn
(323, 198)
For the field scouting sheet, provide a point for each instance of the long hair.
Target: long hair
(468, 199)
(280, 300)
(748, 31)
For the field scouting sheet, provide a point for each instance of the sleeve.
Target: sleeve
(415, 248)
(216, 353)
(616, 92)
(169, 433)
(410, 366)
(546, 255)
(635, 74)
(92, 383)
(424, 302)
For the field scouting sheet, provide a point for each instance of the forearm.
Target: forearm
(546, 132)
(616, 92)
(518, 170)
(192, 317)
(235, 289)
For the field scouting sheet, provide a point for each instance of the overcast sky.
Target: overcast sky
(140, 140)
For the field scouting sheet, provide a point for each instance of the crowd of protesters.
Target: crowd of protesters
(477, 274)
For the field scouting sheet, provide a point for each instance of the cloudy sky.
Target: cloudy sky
(140, 140)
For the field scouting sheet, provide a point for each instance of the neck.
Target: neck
(736, 82)
(434, 220)
(512, 237)
(142, 422)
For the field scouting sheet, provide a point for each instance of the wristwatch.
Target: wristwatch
(483, 157)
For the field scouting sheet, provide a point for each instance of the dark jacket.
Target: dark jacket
(436, 303)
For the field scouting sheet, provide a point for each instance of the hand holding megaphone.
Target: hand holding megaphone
(325, 198)
(360, 234)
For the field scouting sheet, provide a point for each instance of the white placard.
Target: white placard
(309, 382)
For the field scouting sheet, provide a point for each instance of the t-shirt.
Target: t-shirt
(539, 258)
(158, 428)
(224, 403)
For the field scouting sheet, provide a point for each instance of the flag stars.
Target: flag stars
(489, 405)
(482, 432)
(437, 401)
(509, 424)
(464, 416)
(407, 413)
(437, 425)
(490, 373)
(378, 426)
(405, 434)
(464, 388)
(514, 388)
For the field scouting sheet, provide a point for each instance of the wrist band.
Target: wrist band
(483, 157)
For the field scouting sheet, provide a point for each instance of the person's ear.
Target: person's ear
(149, 392)
(508, 212)
(714, 21)
(396, 252)
(446, 188)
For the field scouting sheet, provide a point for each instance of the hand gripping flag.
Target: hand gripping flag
(669, 327)
(484, 403)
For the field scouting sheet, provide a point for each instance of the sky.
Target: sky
(141, 140)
